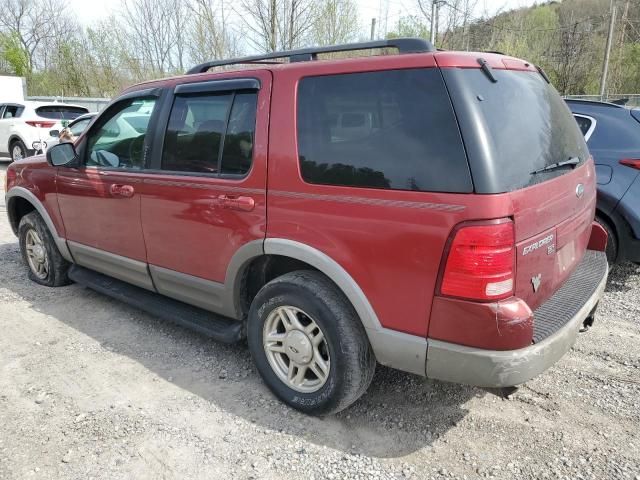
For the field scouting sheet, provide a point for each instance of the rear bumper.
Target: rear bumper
(493, 368)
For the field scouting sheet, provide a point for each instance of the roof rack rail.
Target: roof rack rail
(404, 45)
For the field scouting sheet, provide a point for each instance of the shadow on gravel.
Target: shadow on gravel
(400, 414)
(619, 276)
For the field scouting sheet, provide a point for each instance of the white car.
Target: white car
(25, 126)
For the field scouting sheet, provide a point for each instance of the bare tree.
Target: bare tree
(572, 55)
(211, 34)
(153, 34)
(278, 24)
(336, 22)
(34, 23)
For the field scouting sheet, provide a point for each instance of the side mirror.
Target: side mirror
(62, 155)
(54, 133)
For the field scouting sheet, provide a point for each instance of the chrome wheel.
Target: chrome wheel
(296, 349)
(17, 153)
(36, 254)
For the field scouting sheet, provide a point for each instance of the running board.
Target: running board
(202, 321)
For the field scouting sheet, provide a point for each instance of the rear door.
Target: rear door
(205, 197)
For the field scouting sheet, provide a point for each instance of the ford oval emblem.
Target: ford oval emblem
(580, 190)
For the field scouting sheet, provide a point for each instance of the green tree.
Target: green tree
(13, 57)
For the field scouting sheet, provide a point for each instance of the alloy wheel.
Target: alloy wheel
(36, 254)
(296, 349)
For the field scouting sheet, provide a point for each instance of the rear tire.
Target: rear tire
(40, 253)
(18, 150)
(612, 241)
(320, 361)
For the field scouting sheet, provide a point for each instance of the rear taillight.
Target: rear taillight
(481, 262)
(40, 123)
(631, 162)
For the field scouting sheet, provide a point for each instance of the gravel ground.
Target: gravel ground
(93, 389)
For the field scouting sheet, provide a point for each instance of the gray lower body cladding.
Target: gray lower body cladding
(560, 319)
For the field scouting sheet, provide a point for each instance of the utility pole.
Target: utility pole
(435, 13)
(607, 53)
(373, 29)
(434, 10)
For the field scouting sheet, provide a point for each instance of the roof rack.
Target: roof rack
(404, 45)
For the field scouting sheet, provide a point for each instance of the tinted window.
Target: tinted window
(57, 112)
(117, 143)
(584, 123)
(521, 123)
(210, 133)
(238, 141)
(392, 129)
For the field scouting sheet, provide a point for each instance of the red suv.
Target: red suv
(430, 211)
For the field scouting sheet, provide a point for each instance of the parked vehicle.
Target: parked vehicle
(612, 133)
(75, 127)
(454, 239)
(25, 126)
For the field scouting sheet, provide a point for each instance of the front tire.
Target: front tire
(308, 343)
(40, 253)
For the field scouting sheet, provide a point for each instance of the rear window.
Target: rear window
(58, 112)
(391, 130)
(528, 127)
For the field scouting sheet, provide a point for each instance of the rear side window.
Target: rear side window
(211, 133)
(392, 129)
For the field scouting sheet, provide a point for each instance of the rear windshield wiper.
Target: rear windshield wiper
(573, 161)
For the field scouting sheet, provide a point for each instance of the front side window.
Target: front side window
(119, 141)
(392, 129)
(211, 133)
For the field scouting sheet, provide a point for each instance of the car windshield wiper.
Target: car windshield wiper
(573, 161)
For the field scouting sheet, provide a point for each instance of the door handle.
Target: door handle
(125, 191)
(244, 204)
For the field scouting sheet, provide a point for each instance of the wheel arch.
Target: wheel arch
(299, 256)
(20, 202)
(391, 348)
(13, 138)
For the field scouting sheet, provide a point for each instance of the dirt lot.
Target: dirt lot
(90, 388)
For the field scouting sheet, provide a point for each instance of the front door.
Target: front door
(205, 197)
(100, 202)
